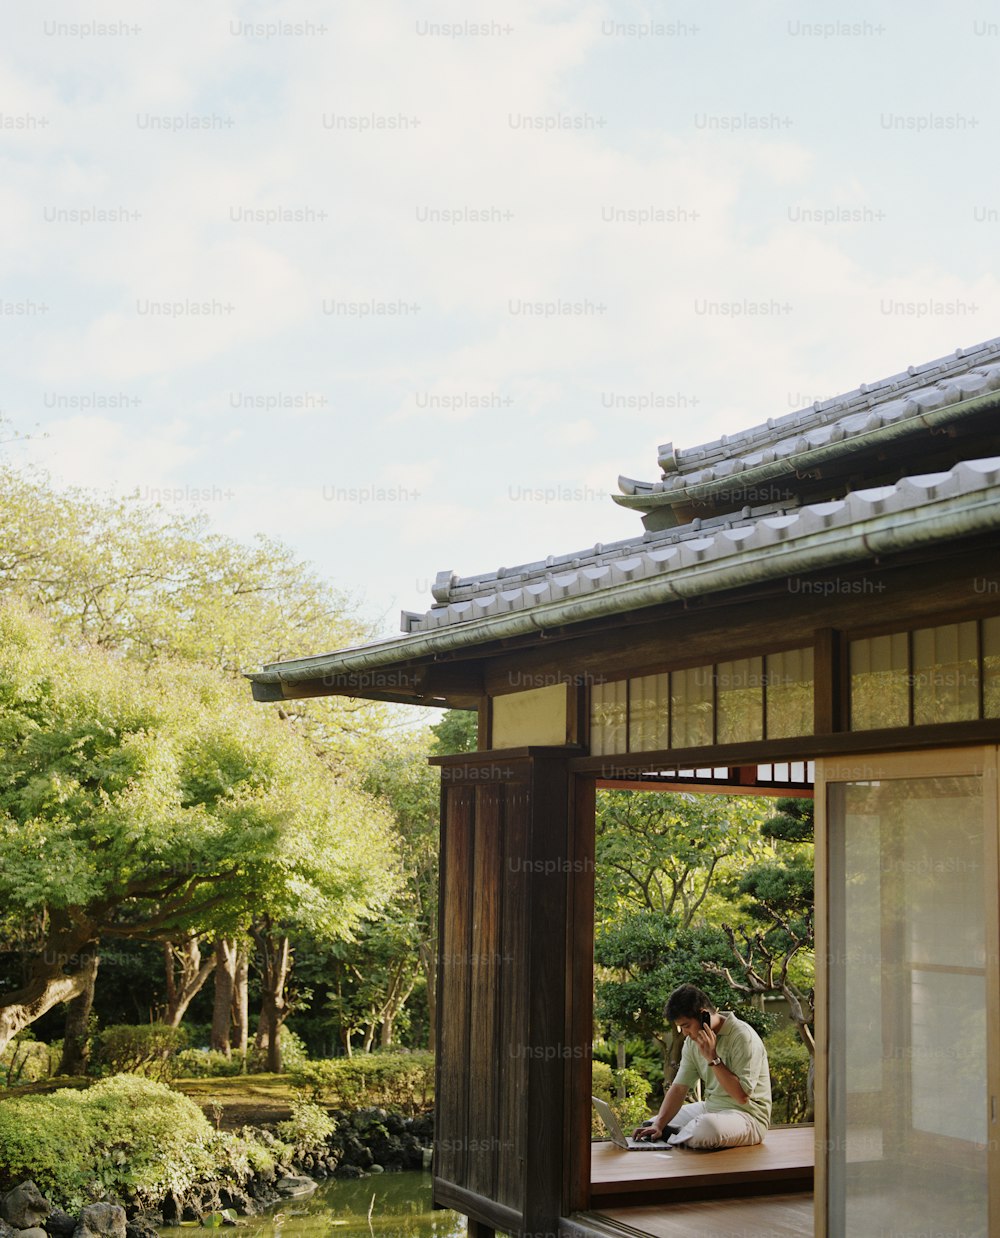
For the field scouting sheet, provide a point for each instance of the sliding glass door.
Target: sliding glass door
(908, 1123)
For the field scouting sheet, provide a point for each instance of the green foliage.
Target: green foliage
(792, 822)
(666, 852)
(785, 886)
(649, 956)
(293, 1053)
(456, 732)
(146, 1049)
(625, 1091)
(149, 803)
(127, 574)
(127, 1137)
(153, 789)
(789, 1060)
(26, 1060)
(401, 1081)
(207, 1064)
(308, 1129)
(373, 980)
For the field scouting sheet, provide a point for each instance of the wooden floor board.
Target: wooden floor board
(776, 1216)
(782, 1163)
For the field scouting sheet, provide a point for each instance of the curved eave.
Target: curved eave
(890, 529)
(739, 488)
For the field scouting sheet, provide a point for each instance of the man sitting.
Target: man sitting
(729, 1058)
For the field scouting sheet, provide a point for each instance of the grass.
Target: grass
(245, 1100)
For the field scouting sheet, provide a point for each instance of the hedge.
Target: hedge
(128, 1138)
(400, 1081)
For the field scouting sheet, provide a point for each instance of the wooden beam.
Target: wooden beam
(444, 685)
(785, 791)
(784, 614)
(801, 748)
(830, 687)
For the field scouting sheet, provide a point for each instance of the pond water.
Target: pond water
(401, 1209)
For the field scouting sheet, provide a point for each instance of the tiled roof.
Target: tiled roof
(673, 552)
(742, 544)
(937, 392)
(675, 565)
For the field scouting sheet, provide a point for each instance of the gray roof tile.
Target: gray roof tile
(769, 448)
(678, 549)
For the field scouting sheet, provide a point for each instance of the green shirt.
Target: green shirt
(743, 1052)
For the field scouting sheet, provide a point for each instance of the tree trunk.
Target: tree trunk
(76, 1043)
(241, 1007)
(620, 1059)
(186, 975)
(48, 983)
(400, 988)
(274, 958)
(225, 987)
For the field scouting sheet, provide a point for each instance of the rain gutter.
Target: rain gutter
(890, 533)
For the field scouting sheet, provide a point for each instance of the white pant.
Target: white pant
(720, 1128)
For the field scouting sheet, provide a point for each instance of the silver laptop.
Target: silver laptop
(618, 1136)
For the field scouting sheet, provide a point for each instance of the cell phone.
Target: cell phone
(706, 1018)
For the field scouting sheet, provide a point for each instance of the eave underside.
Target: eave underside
(954, 579)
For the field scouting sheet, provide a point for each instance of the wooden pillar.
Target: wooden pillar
(507, 1023)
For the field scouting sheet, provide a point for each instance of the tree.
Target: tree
(644, 957)
(667, 851)
(779, 895)
(666, 867)
(404, 943)
(457, 731)
(149, 803)
(187, 972)
(230, 956)
(129, 576)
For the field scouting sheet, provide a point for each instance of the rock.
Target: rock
(7, 1232)
(60, 1224)
(140, 1227)
(36, 1231)
(294, 1187)
(350, 1171)
(25, 1207)
(376, 1169)
(101, 1221)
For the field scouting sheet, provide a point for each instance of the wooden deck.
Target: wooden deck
(775, 1216)
(782, 1164)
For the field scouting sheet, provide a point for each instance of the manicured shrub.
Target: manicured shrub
(789, 1061)
(145, 1049)
(401, 1081)
(127, 1137)
(206, 1064)
(26, 1060)
(629, 1111)
(308, 1128)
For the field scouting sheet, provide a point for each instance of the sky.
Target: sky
(408, 286)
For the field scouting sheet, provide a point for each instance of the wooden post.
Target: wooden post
(509, 1034)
